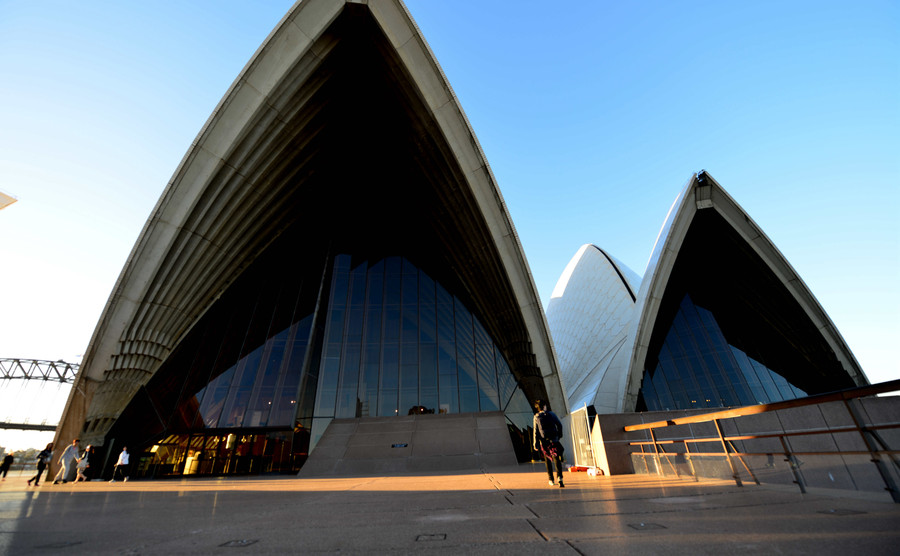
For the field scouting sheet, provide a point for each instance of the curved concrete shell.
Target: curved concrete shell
(341, 131)
(589, 313)
(721, 318)
(705, 217)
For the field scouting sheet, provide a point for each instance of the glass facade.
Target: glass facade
(224, 453)
(254, 385)
(364, 281)
(396, 342)
(729, 332)
(698, 368)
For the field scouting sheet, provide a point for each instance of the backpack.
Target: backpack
(548, 426)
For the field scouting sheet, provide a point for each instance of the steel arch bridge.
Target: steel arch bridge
(59, 372)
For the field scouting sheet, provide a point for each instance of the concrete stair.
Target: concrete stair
(410, 444)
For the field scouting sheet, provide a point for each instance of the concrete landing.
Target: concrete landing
(501, 511)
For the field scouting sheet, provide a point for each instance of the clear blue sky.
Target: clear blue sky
(593, 116)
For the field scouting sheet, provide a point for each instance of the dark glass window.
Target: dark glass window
(465, 359)
(272, 364)
(697, 368)
(729, 332)
(428, 367)
(422, 350)
(239, 394)
(202, 454)
(285, 397)
(390, 372)
(260, 405)
(214, 399)
(506, 382)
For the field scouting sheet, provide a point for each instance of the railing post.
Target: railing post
(656, 453)
(644, 459)
(873, 450)
(734, 472)
(662, 452)
(687, 454)
(744, 463)
(792, 462)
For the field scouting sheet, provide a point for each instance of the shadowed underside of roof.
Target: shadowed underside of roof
(343, 128)
(712, 249)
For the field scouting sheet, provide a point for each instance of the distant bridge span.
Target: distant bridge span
(27, 427)
(38, 369)
(59, 372)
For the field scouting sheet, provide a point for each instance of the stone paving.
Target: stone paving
(499, 511)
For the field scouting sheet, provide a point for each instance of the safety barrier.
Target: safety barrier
(875, 445)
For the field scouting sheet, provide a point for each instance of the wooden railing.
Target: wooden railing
(875, 444)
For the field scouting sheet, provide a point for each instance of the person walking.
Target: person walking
(67, 462)
(43, 459)
(121, 465)
(82, 465)
(4, 467)
(547, 432)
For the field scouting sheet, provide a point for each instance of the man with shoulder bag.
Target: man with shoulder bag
(547, 432)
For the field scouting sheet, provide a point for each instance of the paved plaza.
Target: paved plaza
(500, 511)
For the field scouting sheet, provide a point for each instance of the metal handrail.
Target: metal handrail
(868, 432)
(852, 393)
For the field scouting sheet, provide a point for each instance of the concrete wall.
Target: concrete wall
(412, 443)
(825, 460)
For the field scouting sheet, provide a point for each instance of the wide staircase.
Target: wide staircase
(412, 444)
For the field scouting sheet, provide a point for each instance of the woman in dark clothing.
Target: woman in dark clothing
(42, 460)
(4, 468)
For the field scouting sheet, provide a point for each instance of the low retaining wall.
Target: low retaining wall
(833, 465)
